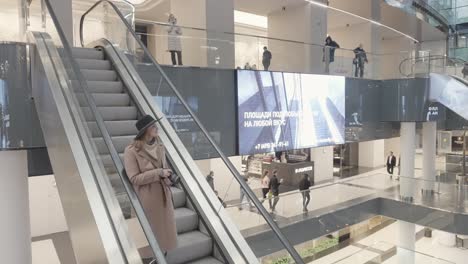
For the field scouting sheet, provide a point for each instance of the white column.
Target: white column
(376, 42)
(371, 153)
(219, 19)
(407, 241)
(15, 231)
(323, 163)
(304, 23)
(407, 143)
(429, 155)
(63, 10)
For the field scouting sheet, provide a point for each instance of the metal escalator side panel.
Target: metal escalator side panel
(450, 92)
(91, 229)
(226, 233)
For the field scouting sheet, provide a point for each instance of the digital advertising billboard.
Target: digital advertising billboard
(282, 111)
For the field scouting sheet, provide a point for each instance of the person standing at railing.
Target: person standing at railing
(174, 44)
(360, 58)
(304, 186)
(146, 168)
(274, 189)
(330, 45)
(266, 58)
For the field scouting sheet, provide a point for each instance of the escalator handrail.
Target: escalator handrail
(274, 226)
(108, 141)
(430, 58)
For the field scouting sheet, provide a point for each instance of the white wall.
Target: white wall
(15, 233)
(45, 207)
(323, 163)
(371, 153)
(303, 23)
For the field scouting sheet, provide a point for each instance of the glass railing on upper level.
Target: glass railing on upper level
(186, 129)
(423, 65)
(227, 50)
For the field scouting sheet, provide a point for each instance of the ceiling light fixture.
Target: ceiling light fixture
(363, 18)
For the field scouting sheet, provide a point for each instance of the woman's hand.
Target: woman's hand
(167, 173)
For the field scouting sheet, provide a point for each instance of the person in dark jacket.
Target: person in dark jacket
(331, 45)
(360, 58)
(274, 189)
(210, 180)
(304, 186)
(391, 163)
(266, 58)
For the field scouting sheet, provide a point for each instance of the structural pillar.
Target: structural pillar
(15, 238)
(406, 242)
(220, 19)
(407, 146)
(376, 42)
(429, 132)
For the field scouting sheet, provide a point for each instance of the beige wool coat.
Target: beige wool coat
(145, 173)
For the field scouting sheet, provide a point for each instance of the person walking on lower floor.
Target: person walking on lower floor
(243, 194)
(266, 58)
(360, 58)
(274, 189)
(304, 186)
(174, 45)
(265, 185)
(210, 180)
(391, 163)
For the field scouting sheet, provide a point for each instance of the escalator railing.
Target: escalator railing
(119, 246)
(182, 127)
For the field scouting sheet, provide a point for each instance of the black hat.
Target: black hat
(144, 123)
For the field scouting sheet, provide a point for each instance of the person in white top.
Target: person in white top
(265, 184)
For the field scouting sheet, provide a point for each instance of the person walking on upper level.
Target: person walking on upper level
(266, 58)
(360, 58)
(391, 163)
(210, 180)
(147, 169)
(265, 185)
(274, 189)
(304, 186)
(174, 45)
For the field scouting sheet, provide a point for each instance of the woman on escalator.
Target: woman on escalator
(146, 167)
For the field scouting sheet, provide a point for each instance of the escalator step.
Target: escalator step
(114, 113)
(105, 99)
(190, 246)
(115, 128)
(120, 143)
(85, 53)
(105, 87)
(178, 197)
(207, 260)
(99, 75)
(186, 219)
(89, 64)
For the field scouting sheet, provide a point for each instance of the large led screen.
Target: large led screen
(282, 111)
